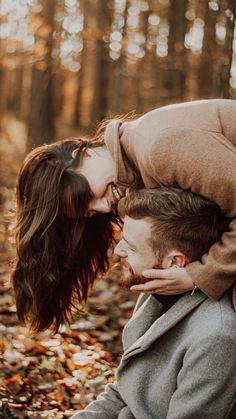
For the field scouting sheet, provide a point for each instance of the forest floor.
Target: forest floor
(52, 376)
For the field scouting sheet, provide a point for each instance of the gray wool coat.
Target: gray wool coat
(179, 365)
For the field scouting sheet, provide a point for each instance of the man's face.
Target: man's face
(135, 251)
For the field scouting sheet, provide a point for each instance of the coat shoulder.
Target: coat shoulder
(216, 319)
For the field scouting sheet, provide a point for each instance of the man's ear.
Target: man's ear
(175, 258)
(178, 259)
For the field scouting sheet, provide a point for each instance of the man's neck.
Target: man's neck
(167, 301)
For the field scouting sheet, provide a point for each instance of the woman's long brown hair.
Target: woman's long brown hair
(60, 252)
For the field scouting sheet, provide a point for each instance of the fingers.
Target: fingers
(152, 286)
(158, 273)
(169, 291)
(161, 291)
(165, 281)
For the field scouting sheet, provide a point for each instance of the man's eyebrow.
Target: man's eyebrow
(129, 244)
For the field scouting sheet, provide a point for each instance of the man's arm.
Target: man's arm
(206, 384)
(108, 405)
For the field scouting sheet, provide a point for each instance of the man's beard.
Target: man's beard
(129, 278)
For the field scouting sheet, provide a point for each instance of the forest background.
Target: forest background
(66, 65)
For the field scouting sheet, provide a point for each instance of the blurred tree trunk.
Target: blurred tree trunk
(176, 74)
(58, 73)
(207, 76)
(40, 121)
(143, 86)
(5, 86)
(92, 100)
(227, 50)
(8, 86)
(149, 68)
(15, 92)
(25, 92)
(119, 70)
(3, 74)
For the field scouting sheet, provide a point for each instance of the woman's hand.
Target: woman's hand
(165, 281)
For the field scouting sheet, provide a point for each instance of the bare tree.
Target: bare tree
(210, 51)
(176, 49)
(117, 81)
(40, 121)
(229, 10)
(92, 102)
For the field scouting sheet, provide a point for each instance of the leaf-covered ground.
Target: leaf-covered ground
(51, 376)
(46, 376)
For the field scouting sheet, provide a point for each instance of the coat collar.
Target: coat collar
(123, 174)
(163, 323)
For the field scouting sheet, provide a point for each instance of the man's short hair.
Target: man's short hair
(180, 219)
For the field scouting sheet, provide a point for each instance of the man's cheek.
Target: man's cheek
(130, 262)
(139, 268)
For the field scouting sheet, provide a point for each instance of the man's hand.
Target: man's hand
(165, 281)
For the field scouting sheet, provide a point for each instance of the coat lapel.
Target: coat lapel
(148, 313)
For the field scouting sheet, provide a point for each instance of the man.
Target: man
(179, 358)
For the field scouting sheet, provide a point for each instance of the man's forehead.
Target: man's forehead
(136, 229)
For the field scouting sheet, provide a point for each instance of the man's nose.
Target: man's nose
(119, 250)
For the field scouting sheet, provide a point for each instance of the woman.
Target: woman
(67, 194)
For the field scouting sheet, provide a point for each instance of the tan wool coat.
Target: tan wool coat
(192, 146)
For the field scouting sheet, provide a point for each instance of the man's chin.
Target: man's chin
(128, 281)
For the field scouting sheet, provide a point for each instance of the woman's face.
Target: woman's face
(98, 168)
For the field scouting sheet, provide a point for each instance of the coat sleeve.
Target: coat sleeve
(108, 405)
(204, 388)
(205, 163)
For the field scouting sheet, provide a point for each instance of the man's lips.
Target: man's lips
(125, 265)
(127, 270)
